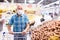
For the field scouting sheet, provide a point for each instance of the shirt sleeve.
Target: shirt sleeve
(11, 21)
(27, 20)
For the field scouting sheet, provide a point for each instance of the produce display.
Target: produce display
(47, 31)
(31, 17)
(29, 11)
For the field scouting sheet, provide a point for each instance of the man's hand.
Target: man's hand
(10, 32)
(24, 33)
(26, 30)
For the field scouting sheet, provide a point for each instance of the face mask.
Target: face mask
(20, 12)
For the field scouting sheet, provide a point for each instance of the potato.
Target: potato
(47, 29)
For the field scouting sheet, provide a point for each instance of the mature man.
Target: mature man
(20, 23)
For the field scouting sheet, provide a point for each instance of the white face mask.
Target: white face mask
(20, 12)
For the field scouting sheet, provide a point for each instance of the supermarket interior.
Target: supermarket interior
(43, 17)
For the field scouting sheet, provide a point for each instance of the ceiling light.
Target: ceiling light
(31, 1)
(40, 1)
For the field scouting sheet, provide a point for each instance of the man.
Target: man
(20, 23)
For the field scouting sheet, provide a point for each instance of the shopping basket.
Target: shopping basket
(7, 36)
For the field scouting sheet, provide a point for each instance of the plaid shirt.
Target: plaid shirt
(19, 23)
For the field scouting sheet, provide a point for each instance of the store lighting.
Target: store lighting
(31, 1)
(57, 2)
(6, 1)
(52, 4)
(40, 2)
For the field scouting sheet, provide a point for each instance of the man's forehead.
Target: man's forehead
(19, 7)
